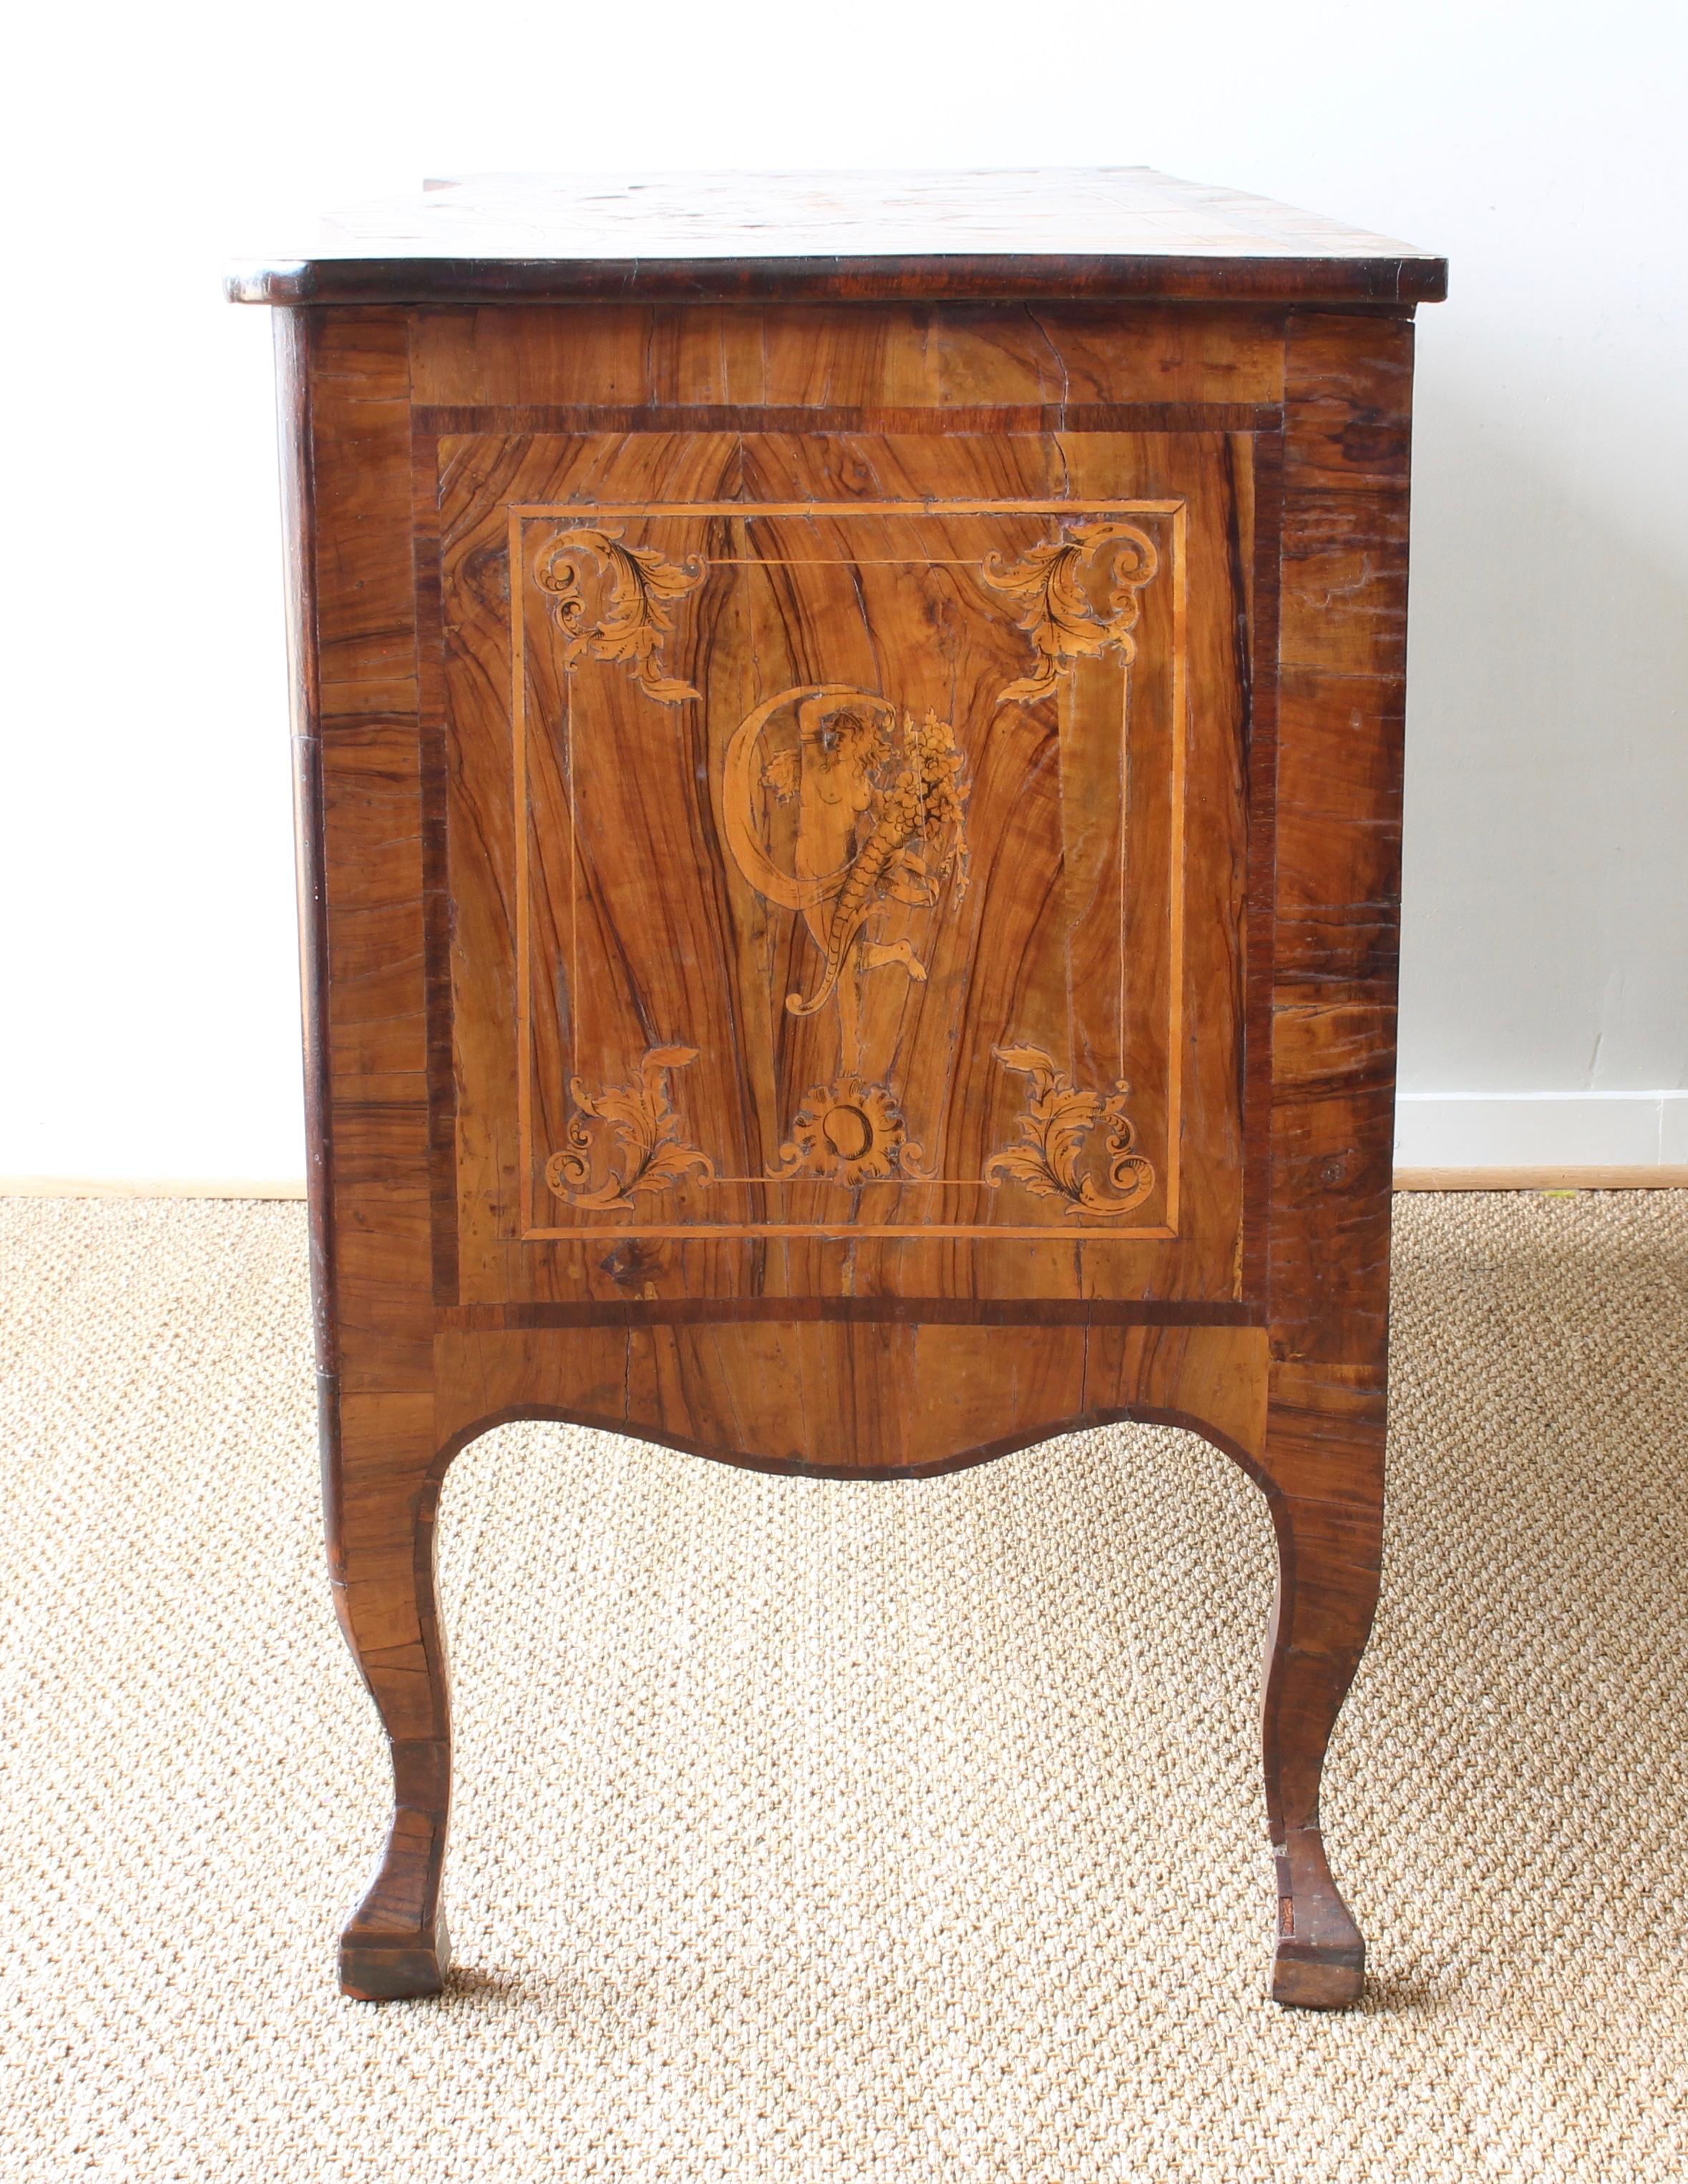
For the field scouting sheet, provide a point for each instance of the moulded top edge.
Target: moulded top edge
(1399, 282)
(1123, 231)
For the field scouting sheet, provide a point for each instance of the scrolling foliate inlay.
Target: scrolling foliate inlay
(1059, 614)
(636, 586)
(645, 1129)
(1055, 1132)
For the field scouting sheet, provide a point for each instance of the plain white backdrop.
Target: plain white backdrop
(147, 860)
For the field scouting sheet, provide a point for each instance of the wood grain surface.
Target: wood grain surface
(850, 860)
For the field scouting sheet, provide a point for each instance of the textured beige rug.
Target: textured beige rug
(816, 1831)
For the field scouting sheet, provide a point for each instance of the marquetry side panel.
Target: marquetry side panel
(1340, 698)
(687, 917)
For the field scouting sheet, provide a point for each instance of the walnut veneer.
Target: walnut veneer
(849, 758)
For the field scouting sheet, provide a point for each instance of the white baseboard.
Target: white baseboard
(126, 1186)
(1489, 1130)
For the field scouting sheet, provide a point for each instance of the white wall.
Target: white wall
(146, 858)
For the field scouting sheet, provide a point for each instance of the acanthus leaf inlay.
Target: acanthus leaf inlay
(1055, 1131)
(635, 617)
(1058, 614)
(645, 1128)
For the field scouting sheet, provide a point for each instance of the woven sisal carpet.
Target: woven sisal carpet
(815, 1831)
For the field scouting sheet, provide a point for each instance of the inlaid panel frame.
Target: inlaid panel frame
(535, 1227)
(687, 1285)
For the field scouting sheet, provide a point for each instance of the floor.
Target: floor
(820, 1831)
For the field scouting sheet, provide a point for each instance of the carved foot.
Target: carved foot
(395, 1944)
(1320, 1961)
(393, 1964)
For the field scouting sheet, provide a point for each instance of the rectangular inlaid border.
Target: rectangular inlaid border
(519, 512)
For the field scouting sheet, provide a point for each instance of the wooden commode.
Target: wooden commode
(849, 736)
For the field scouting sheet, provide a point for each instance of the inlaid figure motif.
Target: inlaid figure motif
(880, 818)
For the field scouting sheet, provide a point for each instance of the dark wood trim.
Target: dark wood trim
(1342, 643)
(445, 419)
(1261, 924)
(998, 278)
(293, 337)
(431, 738)
(930, 1312)
(970, 1459)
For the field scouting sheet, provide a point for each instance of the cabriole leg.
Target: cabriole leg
(381, 1492)
(1326, 1469)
